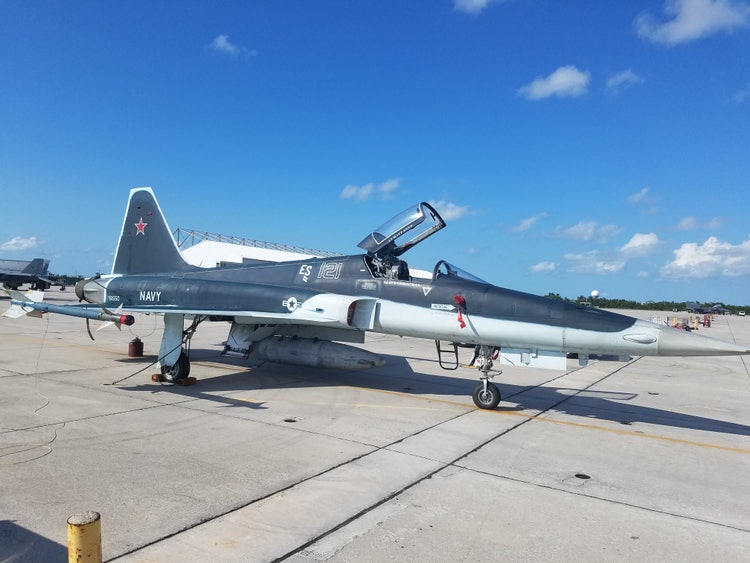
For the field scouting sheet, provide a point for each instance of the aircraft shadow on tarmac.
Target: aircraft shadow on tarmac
(19, 544)
(397, 376)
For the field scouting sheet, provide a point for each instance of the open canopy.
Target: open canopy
(396, 236)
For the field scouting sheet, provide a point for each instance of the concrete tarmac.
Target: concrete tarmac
(641, 461)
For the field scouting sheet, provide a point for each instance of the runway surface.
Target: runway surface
(645, 460)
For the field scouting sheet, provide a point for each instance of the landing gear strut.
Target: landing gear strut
(181, 368)
(486, 395)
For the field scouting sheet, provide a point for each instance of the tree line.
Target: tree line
(606, 303)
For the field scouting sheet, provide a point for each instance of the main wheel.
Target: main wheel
(180, 370)
(488, 399)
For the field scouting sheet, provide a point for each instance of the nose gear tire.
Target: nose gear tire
(487, 398)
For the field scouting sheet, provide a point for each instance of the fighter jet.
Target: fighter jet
(300, 312)
(14, 273)
(695, 307)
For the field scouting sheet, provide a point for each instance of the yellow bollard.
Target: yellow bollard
(85, 538)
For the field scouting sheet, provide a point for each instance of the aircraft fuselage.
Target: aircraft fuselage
(423, 308)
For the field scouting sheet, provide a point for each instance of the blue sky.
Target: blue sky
(571, 146)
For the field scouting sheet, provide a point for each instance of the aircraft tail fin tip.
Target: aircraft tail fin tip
(146, 243)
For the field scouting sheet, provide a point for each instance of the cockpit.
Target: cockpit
(444, 270)
(385, 244)
(388, 242)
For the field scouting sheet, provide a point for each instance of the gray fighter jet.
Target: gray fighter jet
(14, 273)
(300, 312)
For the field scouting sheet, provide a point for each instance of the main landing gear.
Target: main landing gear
(486, 395)
(180, 370)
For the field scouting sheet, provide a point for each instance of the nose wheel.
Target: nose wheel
(486, 395)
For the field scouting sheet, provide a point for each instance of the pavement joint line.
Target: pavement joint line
(375, 449)
(455, 463)
(607, 500)
(539, 418)
(189, 403)
(742, 358)
(429, 475)
(388, 498)
(353, 459)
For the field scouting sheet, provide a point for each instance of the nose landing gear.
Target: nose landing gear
(486, 395)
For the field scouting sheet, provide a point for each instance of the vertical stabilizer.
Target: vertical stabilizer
(37, 267)
(146, 243)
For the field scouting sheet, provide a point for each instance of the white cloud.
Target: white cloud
(588, 230)
(639, 196)
(594, 262)
(222, 44)
(565, 82)
(688, 20)
(17, 244)
(613, 262)
(544, 267)
(687, 224)
(742, 96)
(644, 200)
(473, 7)
(387, 188)
(623, 80)
(690, 223)
(641, 245)
(527, 223)
(363, 193)
(711, 259)
(450, 211)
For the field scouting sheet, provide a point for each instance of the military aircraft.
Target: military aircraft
(695, 307)
(14, 273)
(300, 312)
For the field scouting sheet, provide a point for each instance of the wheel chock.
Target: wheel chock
(159, 378)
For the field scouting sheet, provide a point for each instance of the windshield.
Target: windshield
(444, 270)
(396, 236)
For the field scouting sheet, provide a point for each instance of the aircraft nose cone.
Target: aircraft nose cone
(675, 342)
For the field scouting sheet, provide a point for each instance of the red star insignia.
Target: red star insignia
(141, 226)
